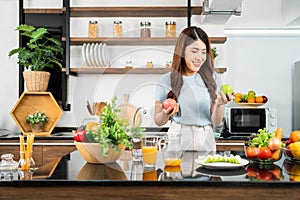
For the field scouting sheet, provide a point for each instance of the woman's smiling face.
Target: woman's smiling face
(195, 56)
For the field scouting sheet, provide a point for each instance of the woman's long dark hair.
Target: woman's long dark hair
(179, 67)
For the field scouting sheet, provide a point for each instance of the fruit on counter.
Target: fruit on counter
(295, 150)
(85, 132)
(251, 152)
(295, 136)
(265, 145)
(292, 149)
(169, 103)
(80, 135)
(219, 158)
(264, 153)
(226, 88)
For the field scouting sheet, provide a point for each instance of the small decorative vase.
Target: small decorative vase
(37, 128)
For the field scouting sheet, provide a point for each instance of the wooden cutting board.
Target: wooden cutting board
(127, 112)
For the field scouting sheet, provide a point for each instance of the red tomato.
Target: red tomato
(264, 153)
(265, 175)
(274, 143)
(80, 136)
(76, 137)
(169, 103)
(251, 152)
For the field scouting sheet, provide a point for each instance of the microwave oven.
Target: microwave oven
(245, 121)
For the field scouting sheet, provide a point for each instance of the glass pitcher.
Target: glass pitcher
(171, 150)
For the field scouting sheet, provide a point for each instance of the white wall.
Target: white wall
(258, 62)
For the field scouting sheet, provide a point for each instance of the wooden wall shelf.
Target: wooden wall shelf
(133, 11)
(154, 41)
(153, 11)
(107, 70)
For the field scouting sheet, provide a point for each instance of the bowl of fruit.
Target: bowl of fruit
(264, 147)
(250, 99)
(292, 146)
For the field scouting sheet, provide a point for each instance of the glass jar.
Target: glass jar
(169, 64)
(128, 64)
(117, 28)
(172, 151)
(170, 29)
(149, 64)
(26, 162)
(8, 163)
(93, 28)
(145, 29)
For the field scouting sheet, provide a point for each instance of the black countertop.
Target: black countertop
(72, 169)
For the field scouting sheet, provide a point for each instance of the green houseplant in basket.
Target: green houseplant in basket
(41, 51)
(37, 121)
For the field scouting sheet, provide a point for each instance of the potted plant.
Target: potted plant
(105, 142)
(37, 121)
(41, 51)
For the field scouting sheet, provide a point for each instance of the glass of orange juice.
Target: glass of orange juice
(149, 152)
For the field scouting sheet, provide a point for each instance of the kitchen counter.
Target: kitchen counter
(72, 178)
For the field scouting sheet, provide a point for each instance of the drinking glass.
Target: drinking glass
(149, 151)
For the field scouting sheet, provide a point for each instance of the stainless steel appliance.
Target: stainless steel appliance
(244, 121)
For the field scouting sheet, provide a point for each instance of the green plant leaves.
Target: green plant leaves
(41, 51)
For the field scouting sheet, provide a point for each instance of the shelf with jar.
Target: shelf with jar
(134, 41)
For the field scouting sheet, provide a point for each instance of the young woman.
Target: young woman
(194, 85)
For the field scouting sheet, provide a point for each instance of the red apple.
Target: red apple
(169, 103)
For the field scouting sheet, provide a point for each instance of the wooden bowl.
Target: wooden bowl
(92, 153)
(111, 171)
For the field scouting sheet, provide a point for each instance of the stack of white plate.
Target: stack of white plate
(95, 55)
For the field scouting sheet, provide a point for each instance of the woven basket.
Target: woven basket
(36, 81)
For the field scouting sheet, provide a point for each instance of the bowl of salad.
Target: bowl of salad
(264, 147)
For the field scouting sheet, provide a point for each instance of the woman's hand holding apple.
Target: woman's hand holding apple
(170, 106)
(223, 99)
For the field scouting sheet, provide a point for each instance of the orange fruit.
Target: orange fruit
(251, 100)
(295, 136)
(238, 95)
(259, 99)
(237, 99)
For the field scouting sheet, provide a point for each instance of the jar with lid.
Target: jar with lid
(8, 163)
(170, 29)
(172, 151)
(149, 64)
(128, 64)
(117, 28)
(8, 168)
(93, 28)
(145, 30)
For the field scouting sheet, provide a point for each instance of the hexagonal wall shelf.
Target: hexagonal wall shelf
(29, 103)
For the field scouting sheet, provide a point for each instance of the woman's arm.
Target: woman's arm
(162, 116)
(218, 108)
